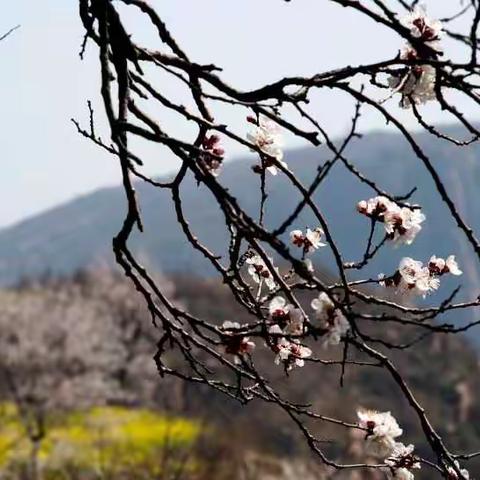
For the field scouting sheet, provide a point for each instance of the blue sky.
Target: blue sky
(44, 83)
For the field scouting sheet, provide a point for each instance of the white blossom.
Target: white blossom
(338, 330)
(437, 264)
(374, 207)
(236, 345)
(452, 266)
(400, 452)
(228, 325)
(283, 350)
(440, 266)
(247, 346)
(260, 272)
(402, 474)
(299, 352)
(313, 239)
(278, 307)
(416, 278)
(426, 284)
(309, 241)
(275, 330)
(423, 27)
(308, 265)
(416, 84)
(330, 318)
(382, 429)
(266, 136)
(296, 237)
(291, 353)
(323, 306)
(287, 315)
(402, 224)
(295, 322)
(410, 270)
(401, 461)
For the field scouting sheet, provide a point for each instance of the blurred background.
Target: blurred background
(80, 396)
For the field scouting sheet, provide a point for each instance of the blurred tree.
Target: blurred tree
(73, 346)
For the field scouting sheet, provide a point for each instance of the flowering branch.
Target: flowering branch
(294, 312)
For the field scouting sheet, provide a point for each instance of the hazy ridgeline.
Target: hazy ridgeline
(79, 233)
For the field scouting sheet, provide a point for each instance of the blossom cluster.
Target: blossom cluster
(382, 431)
(415, 278)
(287, 322)
(402, 224)
(417, 83)
(308, 242)
(265, 136)
(381, 441)
(289, 352)
(286, 327)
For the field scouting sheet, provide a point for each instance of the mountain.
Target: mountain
(79, 232)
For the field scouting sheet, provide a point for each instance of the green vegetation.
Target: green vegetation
(102, 442)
